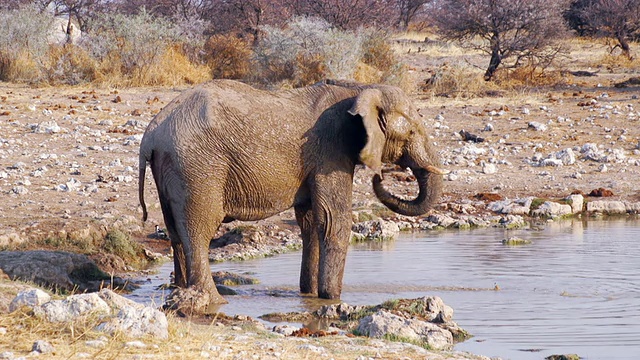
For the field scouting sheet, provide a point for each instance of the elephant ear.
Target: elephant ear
(368, 105)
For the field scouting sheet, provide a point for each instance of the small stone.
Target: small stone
(135, 344)
(42, 347)
(30, 298)
(537, 126)
(488, 168)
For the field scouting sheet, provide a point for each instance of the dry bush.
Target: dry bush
(173, 68)
(529, 76)
(19, 67)
(228, 56)
(378, 53)
(457, 80)
(135, 51)
(69, 65)
(23, 43)
(309, 69)
(306, 50)
(620, 61)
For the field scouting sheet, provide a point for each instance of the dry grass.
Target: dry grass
(228, 56)
(459, 80)
(174, 68)
(18, 67)
(187, 340)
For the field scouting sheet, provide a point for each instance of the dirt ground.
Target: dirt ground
(70, 155)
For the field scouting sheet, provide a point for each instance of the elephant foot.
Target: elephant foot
(194, 301)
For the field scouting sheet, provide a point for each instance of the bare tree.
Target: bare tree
(408, 10)
(246, 17)
(349, 14)
(516, 29)
(619, 19)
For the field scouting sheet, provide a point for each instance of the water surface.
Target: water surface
(574, 289)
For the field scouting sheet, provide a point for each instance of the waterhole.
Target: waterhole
(574, 289)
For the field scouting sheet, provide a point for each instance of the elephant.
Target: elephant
(227, 151)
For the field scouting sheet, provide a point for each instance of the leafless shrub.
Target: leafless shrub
(521, 31)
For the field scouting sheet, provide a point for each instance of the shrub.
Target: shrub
(456, 80)
(120, 244)
(69, 64)
(305, 51)
(378, 54)
(174, 68)
(228, 56)
(23, 43)
(130, 47)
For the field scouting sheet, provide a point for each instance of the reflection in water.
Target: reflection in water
(575, 289)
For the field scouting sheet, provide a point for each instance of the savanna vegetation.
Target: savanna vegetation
(287, 43)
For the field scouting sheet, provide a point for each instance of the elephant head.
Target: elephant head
(396, 134)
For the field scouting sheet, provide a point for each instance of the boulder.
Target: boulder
(73, 307)
(577, 202)
(53, 269)
(552, 209)
(607, 207)
(375, 230)
(117, 314)
(384, 324)
(512, 207)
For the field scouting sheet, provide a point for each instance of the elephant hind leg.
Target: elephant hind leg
(179, 260)
(310, 250)
(196, 291)
(198, 226)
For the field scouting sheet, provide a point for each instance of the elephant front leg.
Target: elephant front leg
(332, 218)
(310, 250)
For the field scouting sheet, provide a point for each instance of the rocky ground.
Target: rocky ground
(69, 160)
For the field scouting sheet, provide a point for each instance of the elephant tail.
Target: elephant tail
(142, 172)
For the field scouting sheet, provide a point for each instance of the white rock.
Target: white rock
(42, 347)
(567, 156)
(384, 323)
(376, 229)
(20, 190)
(285, 330)
(135, 344)
(577, 202)
(72, 307)
(537, 126)
(488, 168)
(30, 298)
(552, 209)
(609, 207)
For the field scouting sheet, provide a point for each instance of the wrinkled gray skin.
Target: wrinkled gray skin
(226, 151)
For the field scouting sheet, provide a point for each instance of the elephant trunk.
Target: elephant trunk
(430, 188)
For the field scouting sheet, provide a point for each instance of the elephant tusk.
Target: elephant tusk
(435, 170)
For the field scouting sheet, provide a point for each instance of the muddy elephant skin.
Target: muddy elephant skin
(226, 151)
